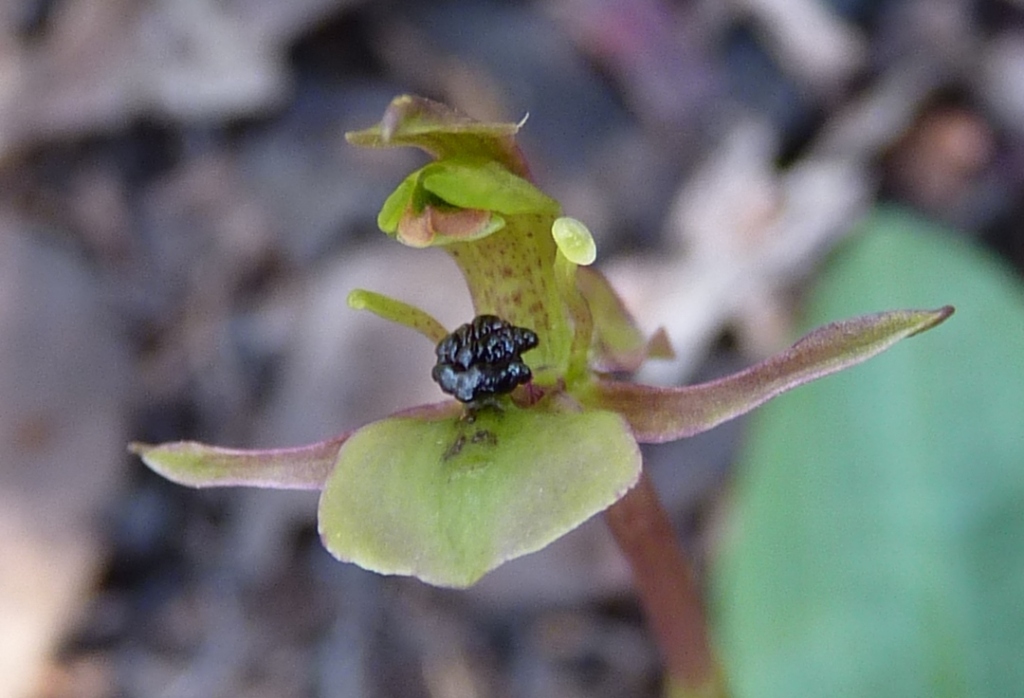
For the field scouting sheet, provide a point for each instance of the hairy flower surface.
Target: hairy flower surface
(446, 492)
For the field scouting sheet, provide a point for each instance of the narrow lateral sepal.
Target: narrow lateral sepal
(657, 415)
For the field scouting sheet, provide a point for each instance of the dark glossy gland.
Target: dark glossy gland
(482, 358)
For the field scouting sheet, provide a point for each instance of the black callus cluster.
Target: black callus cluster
(483, 358)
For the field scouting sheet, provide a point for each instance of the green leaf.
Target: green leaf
(714, 689)
(444, 133)
(448, 499)
(665, 414)
(880, 514)
(198, 465)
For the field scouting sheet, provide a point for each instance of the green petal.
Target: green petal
(453, 200)
(577, 368)
(198, 465)
(443, 132)
(397, 311)
(449, 499)
(485, 185)
(619, 345)
(664, 414)
(397, 203)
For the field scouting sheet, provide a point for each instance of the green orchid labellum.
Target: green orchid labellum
(447, 492)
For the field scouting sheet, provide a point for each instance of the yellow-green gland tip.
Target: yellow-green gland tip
(357, 299)
(574, 240)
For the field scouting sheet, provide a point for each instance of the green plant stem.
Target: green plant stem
(668, 591)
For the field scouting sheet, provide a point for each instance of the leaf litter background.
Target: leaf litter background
(180, 221)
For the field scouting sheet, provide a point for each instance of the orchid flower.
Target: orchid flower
(448, 491)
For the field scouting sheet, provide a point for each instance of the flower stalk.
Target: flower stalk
(668, 590)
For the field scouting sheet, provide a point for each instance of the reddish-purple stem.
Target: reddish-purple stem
(666, 584)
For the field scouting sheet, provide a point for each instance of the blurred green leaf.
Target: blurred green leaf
(448, 499)
(879, 546)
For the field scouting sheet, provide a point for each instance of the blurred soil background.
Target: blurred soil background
(181, 221)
